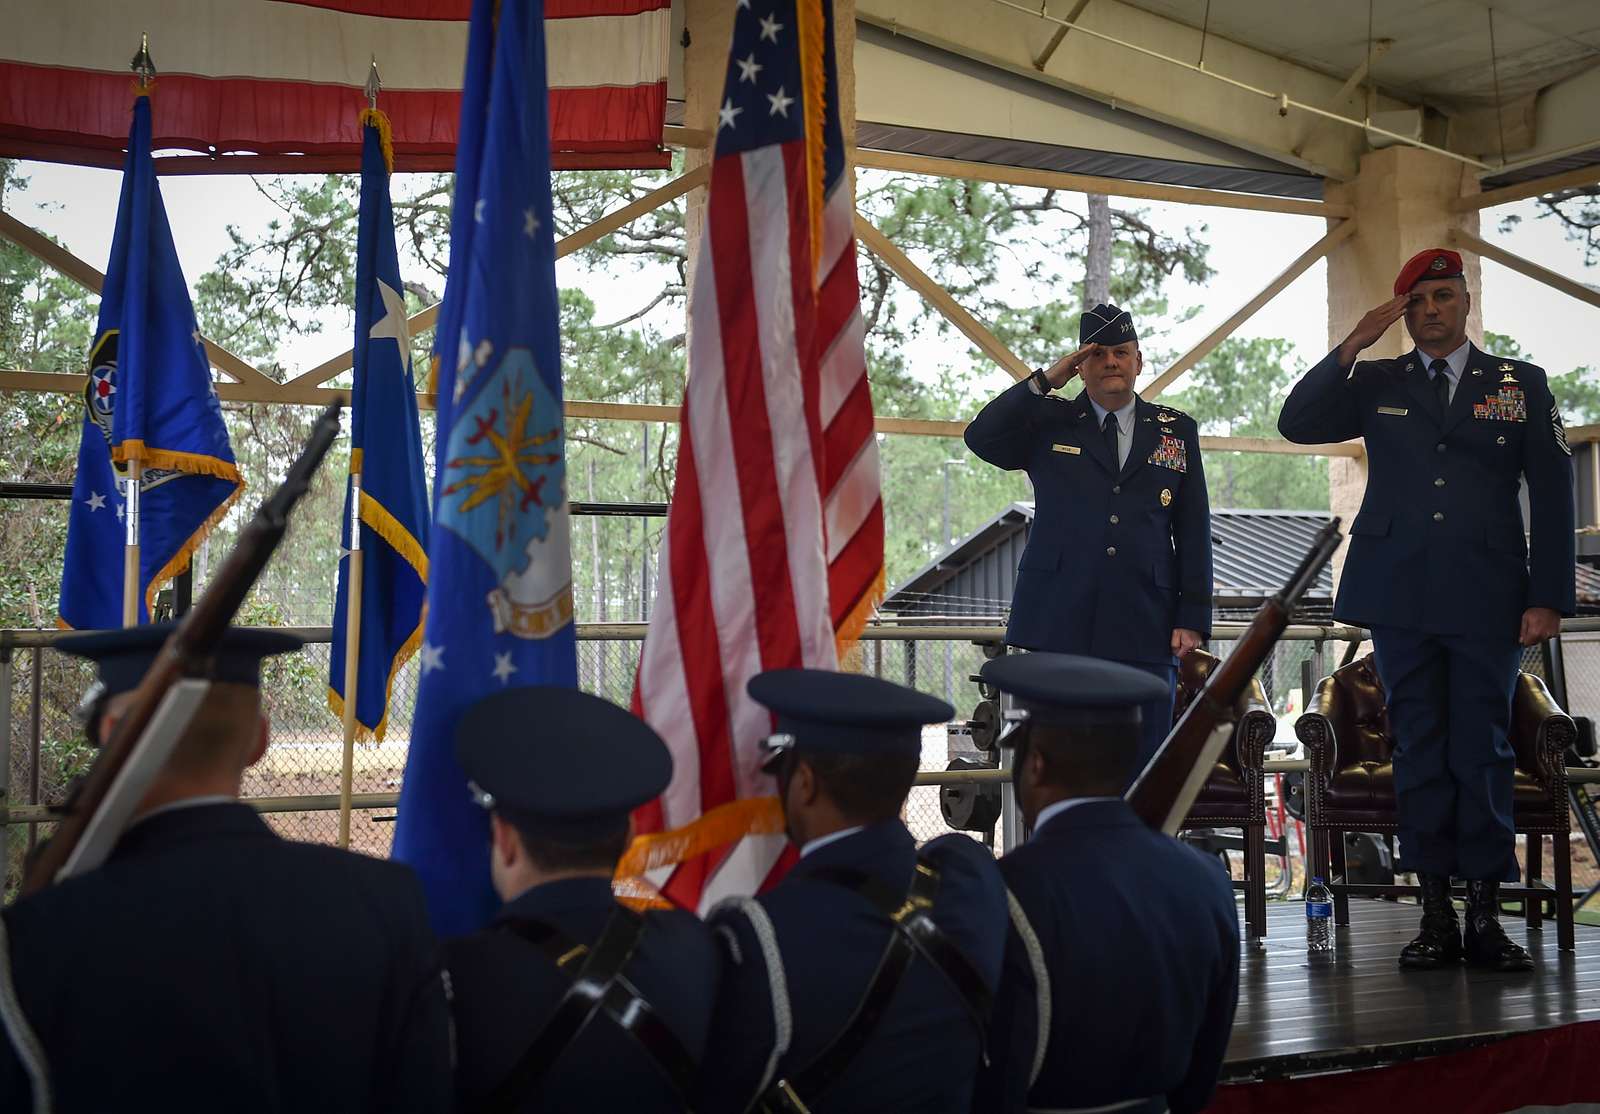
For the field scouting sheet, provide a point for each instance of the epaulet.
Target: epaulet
(1393, 365)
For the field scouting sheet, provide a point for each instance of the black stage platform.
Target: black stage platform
(1358, 1009)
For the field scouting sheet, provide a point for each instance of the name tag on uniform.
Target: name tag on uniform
(1070, 449)
(1397, 411)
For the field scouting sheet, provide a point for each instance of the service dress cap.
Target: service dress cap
(821, 710)
(1072, 691)
(560, 758)
(125, 656)
(1106, 325)
(1435, 263)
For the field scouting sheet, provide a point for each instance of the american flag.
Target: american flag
(772, 555)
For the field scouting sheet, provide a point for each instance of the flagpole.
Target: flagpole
(352, 656)
(144, 69)
(130, 548)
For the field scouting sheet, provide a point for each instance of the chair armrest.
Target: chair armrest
(1251, 737)
(1314, 729)
(1540, 734)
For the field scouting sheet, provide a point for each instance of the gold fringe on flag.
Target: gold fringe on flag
(378, 119)
(813, 83)
(718, 828)
(850, 627)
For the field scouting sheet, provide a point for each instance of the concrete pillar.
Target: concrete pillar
(1401, 200)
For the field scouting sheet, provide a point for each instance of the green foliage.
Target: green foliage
(45, 324)
(1237, 391)
(294, 277)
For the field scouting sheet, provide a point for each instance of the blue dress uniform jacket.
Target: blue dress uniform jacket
(504, 989)
(1438, 546)
(1438, 570)
(923, 1054)
(210, 965)
(1117, 557)
(1140, 939)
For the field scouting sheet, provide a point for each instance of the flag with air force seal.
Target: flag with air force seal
(500, 578)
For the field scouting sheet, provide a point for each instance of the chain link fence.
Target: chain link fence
(48, 747)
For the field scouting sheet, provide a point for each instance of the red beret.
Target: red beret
(1435, 263)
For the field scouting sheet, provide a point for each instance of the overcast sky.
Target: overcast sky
(78, 205)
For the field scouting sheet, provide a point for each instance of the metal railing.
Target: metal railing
(296, 784)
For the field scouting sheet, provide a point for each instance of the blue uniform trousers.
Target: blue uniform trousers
(1450, 711)
(1155, 715)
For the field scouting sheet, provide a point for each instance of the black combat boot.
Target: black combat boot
(1487, 944)
(1439, 942)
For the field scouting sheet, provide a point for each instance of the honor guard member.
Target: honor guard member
(1122, 967)
(1439, 572)
(210, 964)
(1118, 561)
(571, 1001)
(863, 980)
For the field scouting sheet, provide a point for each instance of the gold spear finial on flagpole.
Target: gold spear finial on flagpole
(374, 84)
(142, 64)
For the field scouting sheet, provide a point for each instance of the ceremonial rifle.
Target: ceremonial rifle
(165, 702)
(1168, 785)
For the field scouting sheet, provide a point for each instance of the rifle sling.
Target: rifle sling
(597, 986)
(914, 933)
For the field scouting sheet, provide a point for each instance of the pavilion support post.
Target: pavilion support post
(707, 35)
(1404, 201)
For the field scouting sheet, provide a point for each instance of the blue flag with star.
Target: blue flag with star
(149, 399)
(500, 579)
(386, 457)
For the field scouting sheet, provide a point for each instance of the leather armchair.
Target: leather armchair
(1234, 795)
(1351, 785)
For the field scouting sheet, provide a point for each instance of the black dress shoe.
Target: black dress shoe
(1487, 945)
(1439, 942)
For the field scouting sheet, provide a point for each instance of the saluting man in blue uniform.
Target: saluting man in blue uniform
(1118, 563)
(1439, 572)
(862, 982)
(1122, 964)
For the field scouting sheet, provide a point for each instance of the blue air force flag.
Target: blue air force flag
(149, 399)
(386, 456)
(500, 583)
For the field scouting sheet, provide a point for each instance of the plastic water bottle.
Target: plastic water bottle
(1319, 917)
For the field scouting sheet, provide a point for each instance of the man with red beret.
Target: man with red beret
(1439, 572)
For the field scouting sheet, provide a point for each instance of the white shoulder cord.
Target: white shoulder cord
(767, 938)
(1041, 981)
(21, 1035)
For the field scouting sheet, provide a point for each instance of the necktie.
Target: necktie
(1110, 430)
(1441, 383)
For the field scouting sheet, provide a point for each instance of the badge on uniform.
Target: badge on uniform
(1170, 453)
(1072, 449)
(1509, 404)
(1166, 497)
(1396, 411)
(1558, 429)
